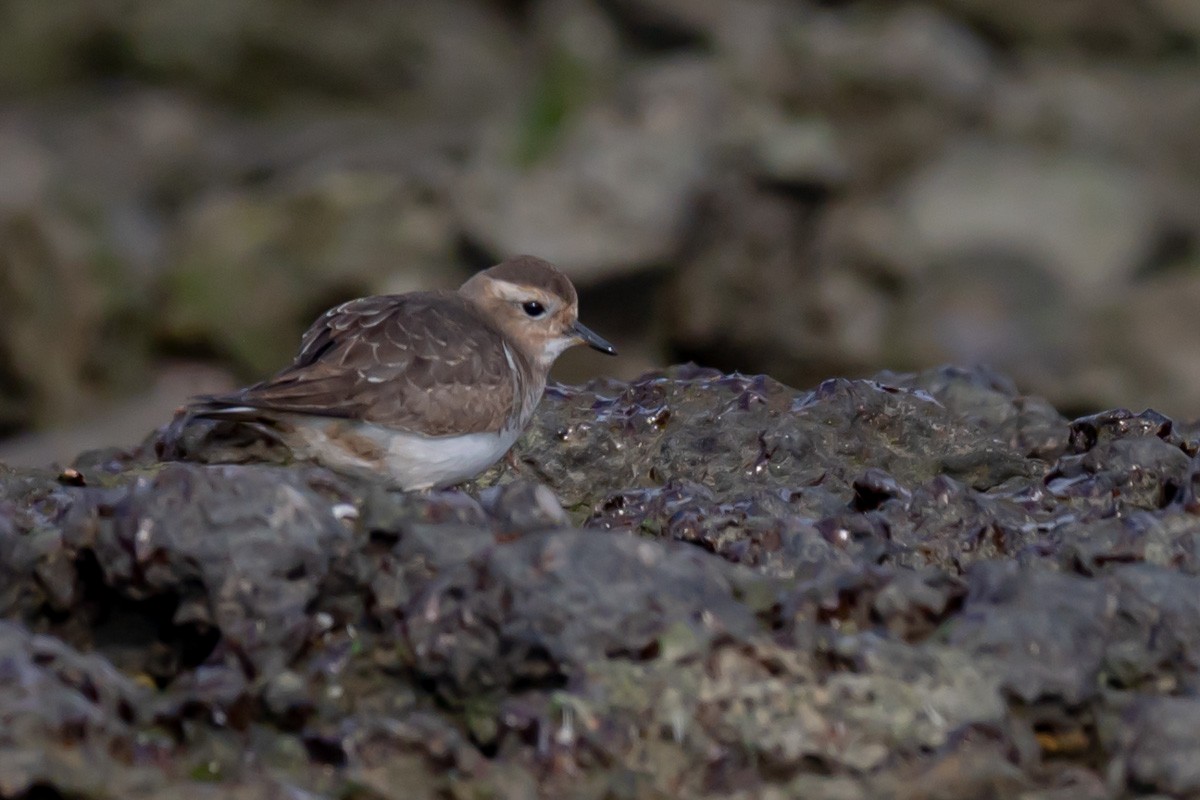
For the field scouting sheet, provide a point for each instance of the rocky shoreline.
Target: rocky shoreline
(694, 585)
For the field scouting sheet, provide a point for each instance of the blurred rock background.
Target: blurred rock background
(803, 188)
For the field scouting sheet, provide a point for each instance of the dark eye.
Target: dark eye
(533, 308)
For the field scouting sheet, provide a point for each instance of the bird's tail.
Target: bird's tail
(223, 407)
(214, 420)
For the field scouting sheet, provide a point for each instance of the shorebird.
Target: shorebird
(426, 389)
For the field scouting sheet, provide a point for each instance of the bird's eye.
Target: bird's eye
(533, 308)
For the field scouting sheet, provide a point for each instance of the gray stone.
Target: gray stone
(1087, 222)
(616, 192)
(1158, 747)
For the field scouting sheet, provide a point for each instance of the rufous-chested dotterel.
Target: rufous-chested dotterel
(427, 389)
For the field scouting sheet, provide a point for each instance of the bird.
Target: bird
(424, 389)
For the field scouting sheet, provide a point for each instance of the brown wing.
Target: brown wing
(423, 362)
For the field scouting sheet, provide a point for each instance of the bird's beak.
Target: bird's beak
(588, 337)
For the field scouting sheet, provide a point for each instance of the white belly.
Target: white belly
(423, 462)
(409, 460)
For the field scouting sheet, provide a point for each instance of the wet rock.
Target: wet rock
(238, 552)
(37, 571)
(546, 604)
(693, 584)
(735, 434)
(992, 401)
(58, 706)
(1120, 423)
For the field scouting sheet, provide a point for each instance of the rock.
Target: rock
(543, 606)
(754, 293)
(1156, 749)
(771, 435)
(41, 43)
(1087, 223)
(59, 705)
(1151, 315)
(1182, 16)
(252, 53)
(793, 155)
(614, 193)
(162, 541)
(1154, 630)
(910, 50)
(50, 316)
(917, 585)
(1057, 654)
(83, 252)
(580, 33)
(688, 584)
(1095, 25)
(673, 21)
(524, 507)
(993, 308)
(233, 284)
(25, 172)
(800, 153)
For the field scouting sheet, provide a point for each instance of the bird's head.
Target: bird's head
(535, 305)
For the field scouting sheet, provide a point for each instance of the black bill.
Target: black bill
(592, 340)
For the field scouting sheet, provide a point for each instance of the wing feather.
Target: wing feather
(425, 363)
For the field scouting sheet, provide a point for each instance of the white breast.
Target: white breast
(409, 460)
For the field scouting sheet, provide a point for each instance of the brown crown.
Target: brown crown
(534, 272)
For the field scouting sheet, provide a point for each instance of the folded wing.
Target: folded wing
(424, 363)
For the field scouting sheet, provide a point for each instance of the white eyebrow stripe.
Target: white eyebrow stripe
(507, 290)
(515, 293)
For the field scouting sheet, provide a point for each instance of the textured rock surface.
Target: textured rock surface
(695, 585)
